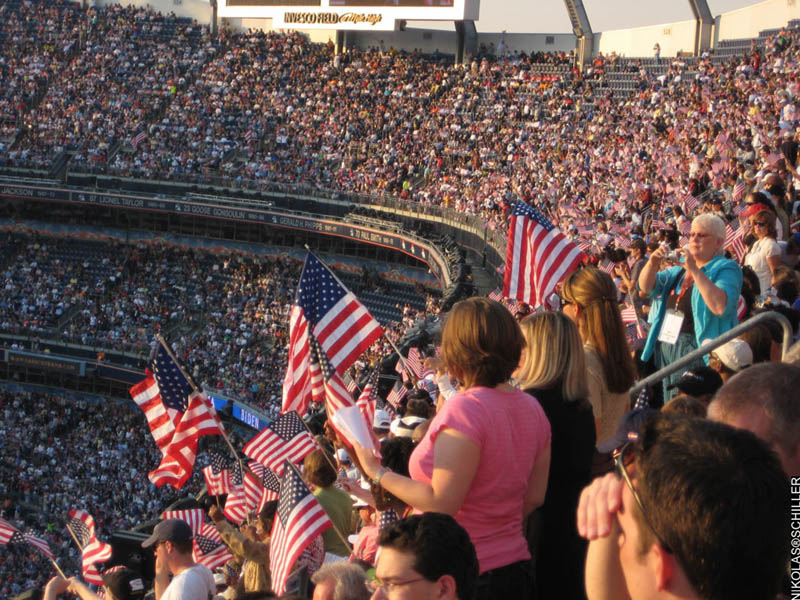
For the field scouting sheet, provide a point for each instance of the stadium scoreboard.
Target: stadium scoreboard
(352, 15)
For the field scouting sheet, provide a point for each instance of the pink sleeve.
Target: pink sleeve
(462, 414)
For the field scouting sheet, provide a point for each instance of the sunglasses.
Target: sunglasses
(759, 224)
(623, 458)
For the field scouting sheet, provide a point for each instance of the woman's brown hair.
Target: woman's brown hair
(600, 324)
(481, 342)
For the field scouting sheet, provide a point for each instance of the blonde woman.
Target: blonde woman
(553, 370)
(764, 255)
(589, 298)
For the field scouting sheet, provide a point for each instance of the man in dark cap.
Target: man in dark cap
(172, 544)
(701, 383)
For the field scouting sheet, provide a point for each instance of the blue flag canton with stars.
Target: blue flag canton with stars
(218, 462)
(322, 359)
(318, 291)
(288, 426)
(81, 532)
(207, 545)
(523, 210)
(293, 491)
(268, 479)
(174, 388)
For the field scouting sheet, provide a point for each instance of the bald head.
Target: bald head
(764, 400)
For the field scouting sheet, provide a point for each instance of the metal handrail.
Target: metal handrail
(706, 348)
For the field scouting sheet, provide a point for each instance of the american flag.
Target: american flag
(284, 439)
(208, 547)
(196, 417)
(92, 550)
(628, 315)
(250, 136)
(738, 191)
(399, 391)
(10, 534)
(496, 295)
(349, 383)
(300, 518)
(335, 392)
(606, 266)
(269, 481)
(194, 517)
(734, 240)
(138, 139)
(538, 256)
(689, 203)
(386, 518)
(368, 399)
(217, 474)
(338, 321)
(414, 362)
(244, 498)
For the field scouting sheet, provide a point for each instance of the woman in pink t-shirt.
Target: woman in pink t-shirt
(486, 455)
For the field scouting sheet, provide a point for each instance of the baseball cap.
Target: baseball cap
(628, 429)
(169, 530)
(124, 584)
(698, 382)
(382, 420)
(735, 354)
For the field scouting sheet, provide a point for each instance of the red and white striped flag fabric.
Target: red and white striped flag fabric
(269, 481)
(39, 543)
(337, 320)
(208, 548)
(93, 550)
(218, 484)
(538, 256)
(738, 191)
(194, 517)
(196, 417)
(349, 383)
(628, 315)
(235, 509)
(734, 241)
(284, 439)
(399, 391)
(414, 361)
(161, 419)
(606, 266)
(496, 295)
(317, 384)
(368, 400)
(335, 392)
(299, 520)
(689, 203)
(10, 534)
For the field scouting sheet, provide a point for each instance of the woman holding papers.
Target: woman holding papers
(486, 455)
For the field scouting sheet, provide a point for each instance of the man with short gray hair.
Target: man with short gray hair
(340, 581)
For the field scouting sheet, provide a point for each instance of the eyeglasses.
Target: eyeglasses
(389, 587)
(624, 457)
(698, 234)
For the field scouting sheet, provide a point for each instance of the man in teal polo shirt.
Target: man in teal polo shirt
(698, 296)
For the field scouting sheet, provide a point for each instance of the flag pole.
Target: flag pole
(163, 342)
(60, 572)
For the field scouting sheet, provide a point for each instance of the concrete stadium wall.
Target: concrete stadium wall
(639, 41)
(673, 37)
(747, 22)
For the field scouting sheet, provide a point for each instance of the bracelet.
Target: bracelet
(379, 475)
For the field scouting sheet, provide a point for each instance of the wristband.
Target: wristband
(379, 475)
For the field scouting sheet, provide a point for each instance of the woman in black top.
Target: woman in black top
(553, 369)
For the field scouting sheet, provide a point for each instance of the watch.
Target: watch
(379, 475)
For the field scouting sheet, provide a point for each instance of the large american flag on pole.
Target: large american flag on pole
(93, 550)
(538, 256)
(195, 417)
(338, 321)
(284, 439)
(300, 518)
